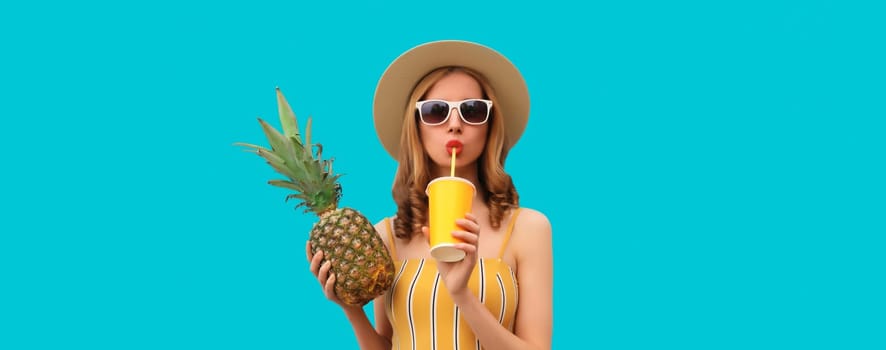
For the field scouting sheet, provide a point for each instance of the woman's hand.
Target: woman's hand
(456, 274)
(320, 270)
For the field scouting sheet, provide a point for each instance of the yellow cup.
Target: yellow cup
(449, 198)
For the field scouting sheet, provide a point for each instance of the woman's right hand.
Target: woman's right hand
(320, 269)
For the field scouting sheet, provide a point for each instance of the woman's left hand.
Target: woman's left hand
(455, 275)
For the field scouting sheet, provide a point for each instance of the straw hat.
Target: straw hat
(399, 79)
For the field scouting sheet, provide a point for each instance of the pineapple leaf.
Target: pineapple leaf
(254, 149)
(282, 170)
(285, 184)
(287, 117)
(334, 178)
(280, 144)
(270, 156)
(279, 165)
(318, 151)
(308, 133)
(316, 170)
(328, 166)
(309, 175)
(298, 196)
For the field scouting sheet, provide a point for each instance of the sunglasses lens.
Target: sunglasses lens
(434, 112)
(474, 111)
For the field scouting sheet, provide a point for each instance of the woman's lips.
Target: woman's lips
(454, 144)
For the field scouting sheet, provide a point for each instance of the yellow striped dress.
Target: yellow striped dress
(422, 314)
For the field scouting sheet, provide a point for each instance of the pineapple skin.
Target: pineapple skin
(358, 256)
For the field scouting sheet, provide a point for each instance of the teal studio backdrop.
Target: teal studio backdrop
(713, 170)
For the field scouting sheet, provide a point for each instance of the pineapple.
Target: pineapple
(360, 261)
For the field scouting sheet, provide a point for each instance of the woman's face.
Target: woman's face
(438, 139)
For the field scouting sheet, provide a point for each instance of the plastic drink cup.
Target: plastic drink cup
(449, 198)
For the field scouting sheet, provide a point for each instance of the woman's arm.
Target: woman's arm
(368, 338)
(533, 328)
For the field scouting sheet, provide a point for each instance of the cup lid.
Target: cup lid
(450, 178)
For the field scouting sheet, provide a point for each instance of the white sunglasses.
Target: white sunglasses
(473, 111)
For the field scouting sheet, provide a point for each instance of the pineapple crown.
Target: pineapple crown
(308, 174)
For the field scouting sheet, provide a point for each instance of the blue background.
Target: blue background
(713, 170)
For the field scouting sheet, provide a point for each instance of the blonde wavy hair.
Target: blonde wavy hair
(413, 173)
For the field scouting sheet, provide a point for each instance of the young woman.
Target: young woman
(434, 99)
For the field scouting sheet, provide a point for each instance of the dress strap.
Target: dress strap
(504, 243)
(393, 249)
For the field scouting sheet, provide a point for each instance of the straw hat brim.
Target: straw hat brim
(399, 79)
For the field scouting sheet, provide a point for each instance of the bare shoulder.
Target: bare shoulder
(532, 220)
(532, 230)
(531, 241)
(382, 227)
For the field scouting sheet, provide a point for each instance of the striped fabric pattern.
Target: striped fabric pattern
(422, 314)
